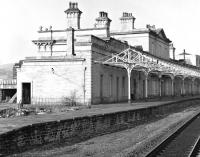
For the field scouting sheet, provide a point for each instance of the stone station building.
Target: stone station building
(98, 65)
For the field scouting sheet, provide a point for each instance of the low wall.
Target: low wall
(81, 128)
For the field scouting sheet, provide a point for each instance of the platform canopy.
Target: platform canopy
(132, 59)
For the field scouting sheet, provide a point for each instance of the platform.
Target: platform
(8, 124)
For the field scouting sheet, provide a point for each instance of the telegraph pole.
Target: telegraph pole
(51, 42)
(184, 54)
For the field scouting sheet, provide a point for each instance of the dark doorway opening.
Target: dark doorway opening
(26, 93)
(133, 95)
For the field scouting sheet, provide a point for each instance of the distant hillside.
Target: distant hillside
(6, 71)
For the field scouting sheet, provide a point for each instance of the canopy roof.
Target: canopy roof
(132, 59)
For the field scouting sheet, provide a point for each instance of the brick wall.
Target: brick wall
(81, 128)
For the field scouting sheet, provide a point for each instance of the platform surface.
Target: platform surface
(8, 124)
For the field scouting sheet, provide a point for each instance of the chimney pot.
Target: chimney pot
(70, 4)
(100, 14)
(40, 29)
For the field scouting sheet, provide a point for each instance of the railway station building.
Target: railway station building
(97, 65)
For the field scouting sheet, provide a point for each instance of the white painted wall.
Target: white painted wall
(67, 77)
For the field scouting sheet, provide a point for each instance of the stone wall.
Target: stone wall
(53, 81)
(158, 47)
(81, 128)
(113, 88)
(107, 80)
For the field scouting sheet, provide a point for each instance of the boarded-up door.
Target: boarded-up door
(117, 89)
(101, 88)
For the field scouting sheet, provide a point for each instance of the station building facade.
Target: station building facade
(98, 65)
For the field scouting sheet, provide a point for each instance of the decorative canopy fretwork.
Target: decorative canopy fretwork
(132, 59)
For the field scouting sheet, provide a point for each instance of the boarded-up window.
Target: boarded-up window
(101, 86)
(123, 86)
(111, 85)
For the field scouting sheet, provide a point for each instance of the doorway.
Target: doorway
(26, 93)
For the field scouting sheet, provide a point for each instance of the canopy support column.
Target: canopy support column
(129, 69)
(146, 85)
(192, 87)
(183, 87)
(172, 85)
(160, 85)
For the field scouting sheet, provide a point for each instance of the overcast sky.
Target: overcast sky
(20, 21)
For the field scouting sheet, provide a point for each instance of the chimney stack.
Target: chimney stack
(73, 16)
(127, 22)
(103, 21)
(70, 42)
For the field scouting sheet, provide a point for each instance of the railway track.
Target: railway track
(185, 142)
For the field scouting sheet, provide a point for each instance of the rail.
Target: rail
(182, 142)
